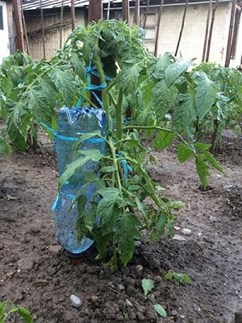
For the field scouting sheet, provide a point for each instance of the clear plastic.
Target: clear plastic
(72, 123)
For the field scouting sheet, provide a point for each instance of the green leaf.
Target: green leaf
(202, 170)
(174, 70)
(176, 205)
(66, 84)
(160, 310)
(212, 161)
(163, 139)
(165, 98)
(186, 279)
(3, 307)
(184, 113)
(93, 155)
(127, 231)
(206, 91)
(184, 152)
(25, 314)
(147, 285)
(159, 227)
(169, 275)
(108, 169)
(202, 147)
(128, 78)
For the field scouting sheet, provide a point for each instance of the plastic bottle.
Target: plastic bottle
(72, 123)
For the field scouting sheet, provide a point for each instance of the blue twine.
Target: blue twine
(92, 70)
(67, 138)
(125, 167)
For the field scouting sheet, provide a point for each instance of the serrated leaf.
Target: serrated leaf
(174, 70)
(159, 227)
(205, 97)
(165, 98)
(66, 84)
(184, 152)
(186, 279)
(169, 275)
(212, 161)
(93, 155)
(202, 147)
(127, 232)
(147, 285)
(184, 113)
(176, 205)
(163, 139)
(25, 314)
(160, 310)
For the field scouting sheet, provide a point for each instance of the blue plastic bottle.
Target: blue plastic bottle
(72, 123)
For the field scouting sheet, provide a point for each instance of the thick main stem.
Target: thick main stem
(119, 123)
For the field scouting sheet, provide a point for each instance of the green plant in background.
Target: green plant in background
(178, 278)
(226, 110)
(148, 286)
(9, 310)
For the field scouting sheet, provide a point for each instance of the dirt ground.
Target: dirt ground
(36, 272)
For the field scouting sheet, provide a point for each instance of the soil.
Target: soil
(35, 272)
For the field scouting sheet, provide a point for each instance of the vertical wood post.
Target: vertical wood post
(73, 16)
(61, 22)
(95, 10)
(230, 35)
(211, 31)
(24, 29)
(19, 25)
(158, 28)
(206, 30)
(137, 13)
(125, 10)
(42, 28)
(146, 13)
(182, 27)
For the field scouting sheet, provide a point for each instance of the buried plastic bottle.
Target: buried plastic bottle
(72, 123)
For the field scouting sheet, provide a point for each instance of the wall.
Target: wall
(52, 32)
(4, 33)
(192, 41)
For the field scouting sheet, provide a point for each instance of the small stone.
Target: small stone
(157, 279)
(187, 232)
(54, 249)
(121, 287)
(137, 243)
(75, 301)
(139, 268)
(174, 313)
(25, 264)
(178, 237)
(128, 303)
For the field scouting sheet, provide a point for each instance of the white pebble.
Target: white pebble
(186, 231)
(75, 301)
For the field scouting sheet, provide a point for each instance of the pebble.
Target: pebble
(178, 237)
(128, 303)
(137, 243)
(26, 264)
(54, 249)
(187, 232)
(75, 301)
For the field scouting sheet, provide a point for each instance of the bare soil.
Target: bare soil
(37, 273)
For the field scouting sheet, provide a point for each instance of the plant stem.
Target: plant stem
(158, 128)
(105, 98)
(119, 123)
